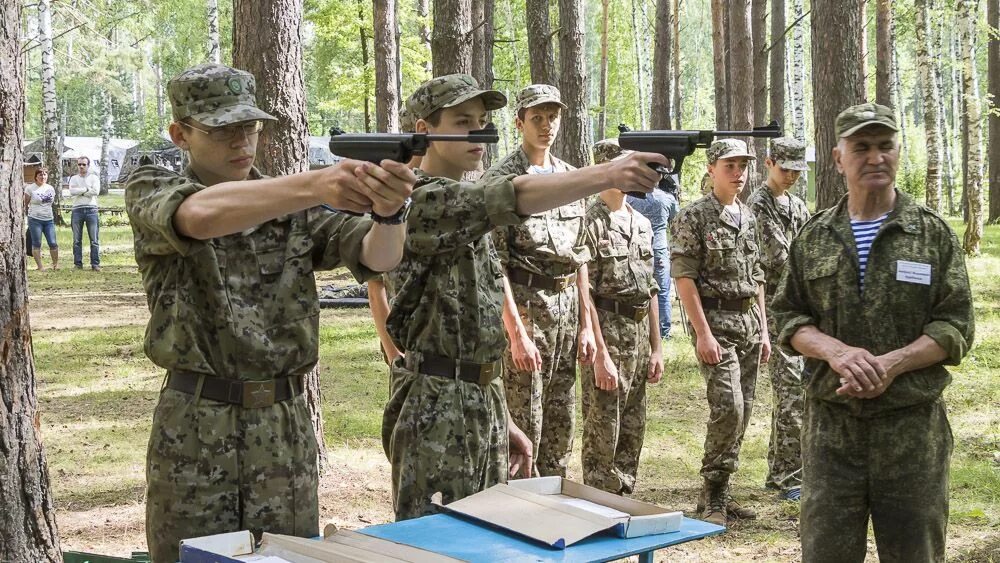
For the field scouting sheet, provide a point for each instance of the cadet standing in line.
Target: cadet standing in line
(877, 298)
(715, 262)
(780, 215)
(227, 259)
(544, 260)
(446, 428)
(660, 207)
(629, 355)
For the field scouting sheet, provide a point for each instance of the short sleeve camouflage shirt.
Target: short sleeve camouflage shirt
(621, 243)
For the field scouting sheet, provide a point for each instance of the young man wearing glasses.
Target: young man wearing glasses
(86, 187)
(227, 259)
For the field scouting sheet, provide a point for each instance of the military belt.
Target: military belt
(634, 312)
(742, 305)
(440, 366)
(247, 394)
(539, 281)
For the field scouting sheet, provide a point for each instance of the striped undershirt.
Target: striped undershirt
(864, 234)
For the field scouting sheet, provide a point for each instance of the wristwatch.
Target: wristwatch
(396, 218)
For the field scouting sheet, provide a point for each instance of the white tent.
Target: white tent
(91, 148)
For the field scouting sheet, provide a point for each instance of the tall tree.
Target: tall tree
(638, 36)
(602, 95)
(993, 63)
(676, 49)
(777, 91)
(52, 149)
(363, 36)
(478, 63)
(947, 175)
(883, 50)
(28, 527)
(267, 43)
(662, 55)
(213, 49)
(758, 33)
(862, 7)
(742, 73)
(836, 57)
(106, 131)
(424, 14)
(968, 12)
(931, 99)
(573, 144)
(386, 83)
(798, 67)
(719, 49)
(451, 37)
(541, 55)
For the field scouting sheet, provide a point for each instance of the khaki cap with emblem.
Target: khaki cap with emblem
(215, 95)
(607, 150)
(449, 91)
(789, 153)
(856, 118)
(538, 94)
(728, 148)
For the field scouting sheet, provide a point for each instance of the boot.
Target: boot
(737, 511)
(712, 505)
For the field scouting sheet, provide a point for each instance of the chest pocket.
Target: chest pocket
(720, 252)
(280, 287)
(822, 281)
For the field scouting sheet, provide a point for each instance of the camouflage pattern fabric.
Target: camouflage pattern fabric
(537, 94)
(728, 148)
(543, 403)
(607, 150)
(788, 153)
(214, 95)
(449, 91)
(615, 421)
(440, 434)
(406, 122)
(778, 225)
(244, 307)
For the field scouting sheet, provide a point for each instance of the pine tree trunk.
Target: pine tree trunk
(424, 13)
(883, 48)
(50, 115)
(386, 92)
(968, 11)
(659, 113)
(478, 62)
(28, 527)
(932, 184)
(541, 55)
(267, 42)
(573, 144)
(758, 27)
(676, 50)
(742, 74)
(602, 118)
(451, 37)
(836, 57)
(109, 120)
(489, 38)
(213, 49)
(993, 63)
(798, 73)
(719, 48)
(863, 38)
(777, 91)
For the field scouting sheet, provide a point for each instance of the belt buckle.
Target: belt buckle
(639, 314)
(258, 394)
(486, 373)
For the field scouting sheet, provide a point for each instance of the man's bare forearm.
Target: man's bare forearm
(511, 318)
(688, 293)
(541, 192)
(920, 353)
(812, 343)
(382, 247)
(583, 291)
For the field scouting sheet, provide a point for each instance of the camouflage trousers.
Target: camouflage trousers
(442, 435)
(614, 422)
(543, 403)
(892, 468)
(784, 452)
(730, 387)
(213, 468)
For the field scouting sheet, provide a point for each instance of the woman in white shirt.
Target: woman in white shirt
(38, 199)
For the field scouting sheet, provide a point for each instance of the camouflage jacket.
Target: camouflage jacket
(549, 243)
(820, 288)
(778, 225)
(621, 243)
(242, 306)
(449, 288)
(722, 258)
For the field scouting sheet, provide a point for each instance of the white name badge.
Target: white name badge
(913, 272)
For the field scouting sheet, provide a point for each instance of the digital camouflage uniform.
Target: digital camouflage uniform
(240, 307)
(723, 259)
(551, 245)
(779, 223)
(445, 434)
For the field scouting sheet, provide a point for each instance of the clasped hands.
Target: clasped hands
(863, 375)
(363, 187)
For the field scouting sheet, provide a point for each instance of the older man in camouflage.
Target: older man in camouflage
(716, 263)
(780, 215)
(877, 298)
(227, 259)
(545, 263)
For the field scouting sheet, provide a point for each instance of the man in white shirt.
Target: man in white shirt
(85, 187)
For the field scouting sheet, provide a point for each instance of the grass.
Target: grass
(97, 391)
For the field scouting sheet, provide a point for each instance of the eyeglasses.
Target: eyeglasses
(230, 132)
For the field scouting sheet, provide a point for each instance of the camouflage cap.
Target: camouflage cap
(537, 94)
(856, 118)
(607, 150)
(789, 153)
(406, 122)
(728, 148)
(214, 95)
(449, 91)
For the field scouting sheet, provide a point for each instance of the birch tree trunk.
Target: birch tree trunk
(28, 527)
(758, 33)
(777, 91)
(968, 11)
(213, 49)
(541, 55)
(158, 72)
(267, 42)
(993, 63)
(719, 48)
(659, 113)
(109, 120)
(900, 102)
(947, 163)
(50, 116)
(798, 74)
(573, 144)
(386, 89)
(676, 50)
(932, 184)
(883, 49)
(451, 37)
(602, 96)
(836, 57)
(424, 13)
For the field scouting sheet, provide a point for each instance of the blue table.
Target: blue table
(464, 539)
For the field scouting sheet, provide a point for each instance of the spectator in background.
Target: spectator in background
(38, 199)
(85, 187)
